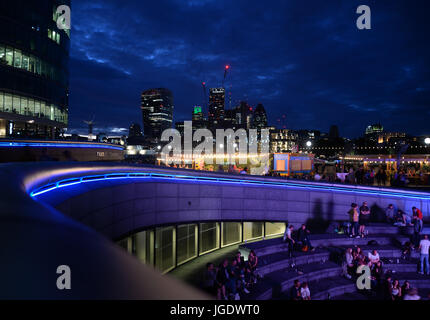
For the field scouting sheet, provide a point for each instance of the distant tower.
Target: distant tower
(157, 110)
(334, 132)
(216, 107)
(260, 117)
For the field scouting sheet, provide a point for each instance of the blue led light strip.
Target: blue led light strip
(56, 145)
(148, 175)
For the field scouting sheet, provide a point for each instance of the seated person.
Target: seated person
(373, 257)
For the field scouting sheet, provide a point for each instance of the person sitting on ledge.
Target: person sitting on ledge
(373, 257)
(402, 219)
(288, 237)
(303, 236)
(305, 292)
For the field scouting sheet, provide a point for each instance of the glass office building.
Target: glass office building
(34, 72)
(157, 111)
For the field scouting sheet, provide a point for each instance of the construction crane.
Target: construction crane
(227, 67)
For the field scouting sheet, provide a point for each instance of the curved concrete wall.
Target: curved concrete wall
(121, 206)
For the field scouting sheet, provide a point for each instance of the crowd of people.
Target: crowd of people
(382, 282)
(231, 280)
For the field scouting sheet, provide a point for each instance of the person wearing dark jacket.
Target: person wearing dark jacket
(303, 236)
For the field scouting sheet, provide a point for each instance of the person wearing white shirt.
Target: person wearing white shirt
(424, 255)
(373, 257)
(305, 292)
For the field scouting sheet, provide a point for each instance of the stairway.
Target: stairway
(322, 267)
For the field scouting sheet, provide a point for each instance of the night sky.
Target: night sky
(304, 59)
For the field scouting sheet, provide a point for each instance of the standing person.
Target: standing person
(390, 214)
(353, 216)
(303, 236)
(288, 237)
(364, 218)
(424, 255)
(416, 211)
(418, 228)
(253, 262)
(348, 264)
(222, 279)
(209, 278)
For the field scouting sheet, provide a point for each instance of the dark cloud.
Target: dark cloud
(303, 59)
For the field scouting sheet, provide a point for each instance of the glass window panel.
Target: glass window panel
(42, 110)
(51, 114)
(2, 54)
(252, 230)
(1, 101)
(165, 248)
(17, 58)
(126, 244)
(209, 237)
(231, 233)
(186, 242)
(7, 102)
(37, 108)
(274, 228)
(31, 107)
(16, 104)
(24, 106)
(9, 56)
(143, 246)
(32, 64)
(38, 67)
(49, 34)
(25, 62)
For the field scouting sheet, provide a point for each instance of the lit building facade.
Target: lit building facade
(157, 110)
(260, 117)
(34, 72)
(282, 140)
(216, 107)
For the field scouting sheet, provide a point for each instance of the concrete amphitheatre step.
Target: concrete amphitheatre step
(280, 260)
(276, 283)
(267, 247)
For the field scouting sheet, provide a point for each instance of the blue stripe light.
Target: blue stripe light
(188, 178)
(57, 145)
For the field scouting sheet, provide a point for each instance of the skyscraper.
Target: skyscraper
(216, 107)
(244, 115)
(157, 110)
(34, 71)
(260, 117)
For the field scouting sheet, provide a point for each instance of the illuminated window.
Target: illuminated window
(231, 233)
(209, 237)
(274, 228)
(9, 56)
(252, 230)
(17, 59)
(143, 246)
(186, 242)
(165, 248)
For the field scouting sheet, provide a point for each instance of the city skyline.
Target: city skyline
(365, 77)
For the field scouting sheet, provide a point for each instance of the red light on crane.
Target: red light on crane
(227, 67)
